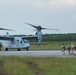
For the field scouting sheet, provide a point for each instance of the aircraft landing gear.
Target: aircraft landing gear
(27, 49)
(6, 49)
(18, 49)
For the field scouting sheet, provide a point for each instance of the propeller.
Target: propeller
(40, 28)
(6, 29)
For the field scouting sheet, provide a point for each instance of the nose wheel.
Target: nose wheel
(27, 48)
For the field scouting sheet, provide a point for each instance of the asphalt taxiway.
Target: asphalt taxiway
(43, 53)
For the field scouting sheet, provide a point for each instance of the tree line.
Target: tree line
(56, 37)
(59, 37)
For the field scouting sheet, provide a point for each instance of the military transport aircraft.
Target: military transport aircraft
(9, 42)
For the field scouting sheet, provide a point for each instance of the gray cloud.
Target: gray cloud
(40, 4)
(53, 13)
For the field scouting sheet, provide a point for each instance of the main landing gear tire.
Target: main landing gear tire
(6, 49)
(18, 49)
(27, 49)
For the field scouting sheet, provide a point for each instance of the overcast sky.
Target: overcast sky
(57, 14)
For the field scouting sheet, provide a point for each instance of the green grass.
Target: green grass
(49, 45)
(37, 66)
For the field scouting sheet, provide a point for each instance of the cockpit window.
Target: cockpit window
(18, 41)
(26, 42)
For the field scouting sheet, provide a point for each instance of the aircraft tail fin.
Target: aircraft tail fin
(7, 34)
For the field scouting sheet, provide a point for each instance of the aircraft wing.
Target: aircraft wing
(30, 37)
(6, 38)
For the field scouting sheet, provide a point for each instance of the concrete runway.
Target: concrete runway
(43, 53)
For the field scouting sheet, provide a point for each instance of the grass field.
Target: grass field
(37, 66)
(50, 45)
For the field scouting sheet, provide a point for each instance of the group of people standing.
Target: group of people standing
(70, 48)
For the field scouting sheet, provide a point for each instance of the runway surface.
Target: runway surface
(43, 53)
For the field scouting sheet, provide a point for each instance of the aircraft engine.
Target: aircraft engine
(39, 34)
